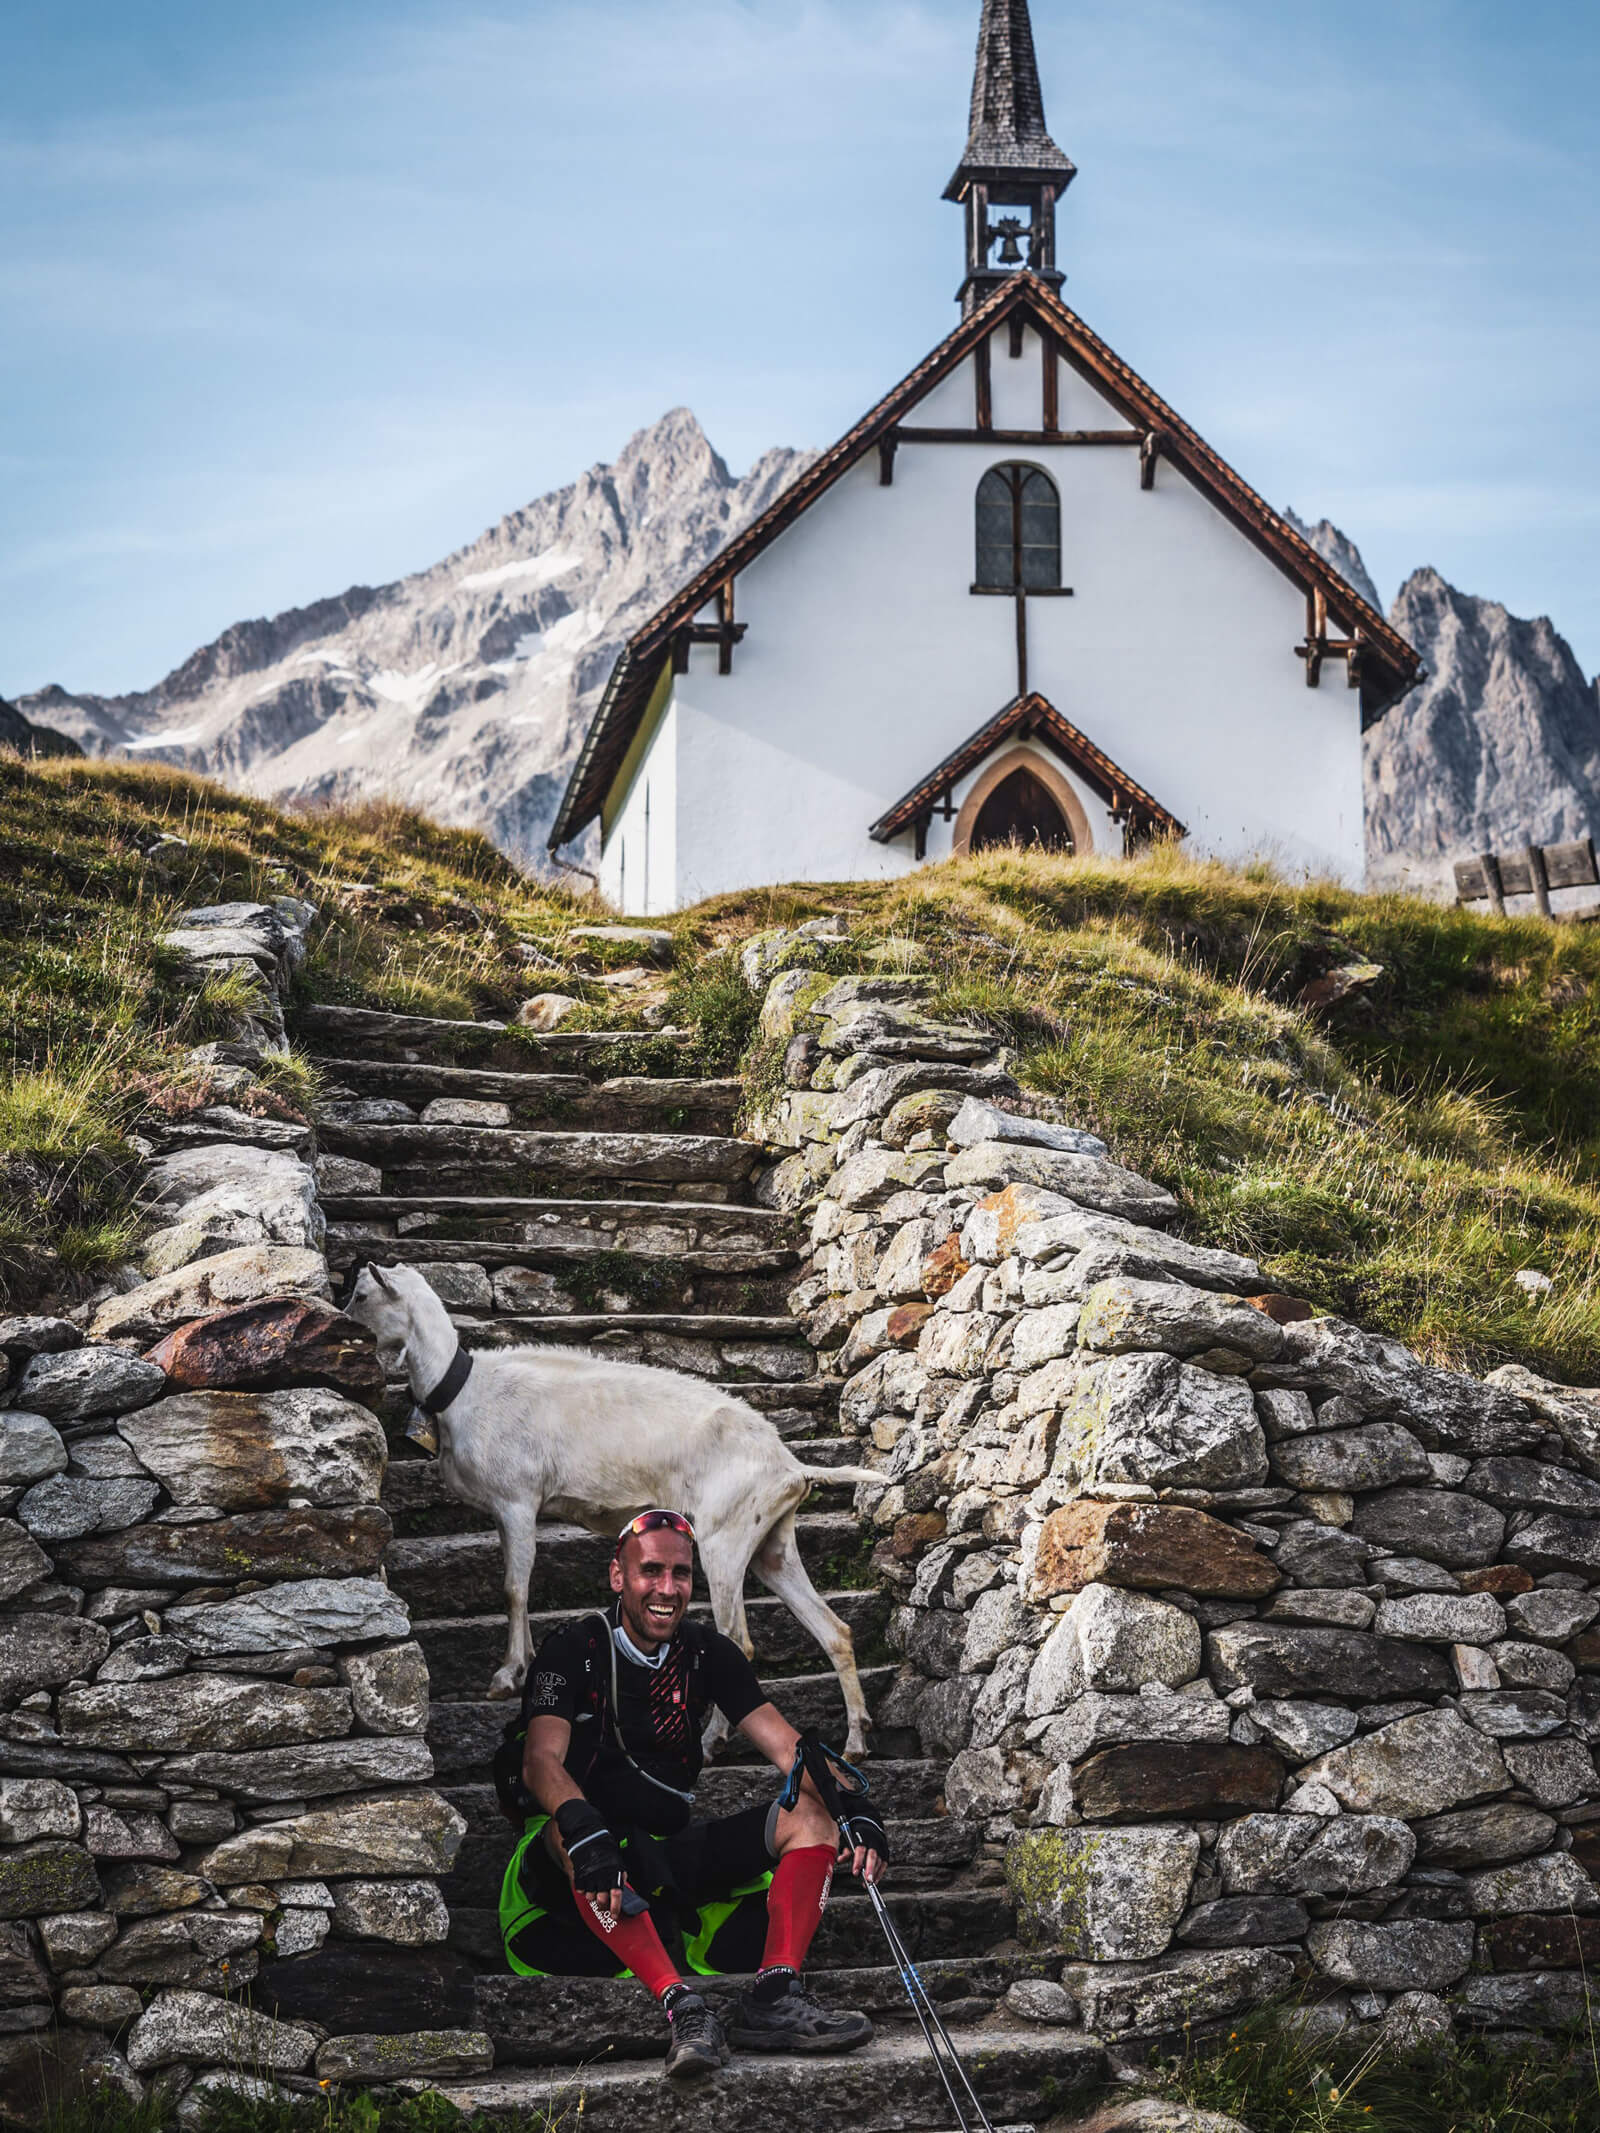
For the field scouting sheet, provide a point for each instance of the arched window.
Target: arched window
(1019, 530)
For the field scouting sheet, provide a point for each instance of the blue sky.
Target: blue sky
(296, 294)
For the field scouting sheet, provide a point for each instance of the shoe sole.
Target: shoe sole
(694, 2069)
(764, 2040)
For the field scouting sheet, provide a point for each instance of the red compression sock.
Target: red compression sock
(633, 1941)
(800, 1884)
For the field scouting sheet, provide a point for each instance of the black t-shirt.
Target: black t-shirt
(663, 1711)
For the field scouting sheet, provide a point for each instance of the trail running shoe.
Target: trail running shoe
(795, 2022)
(698, 2045)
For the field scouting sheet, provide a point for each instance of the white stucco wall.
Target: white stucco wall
(868, 659)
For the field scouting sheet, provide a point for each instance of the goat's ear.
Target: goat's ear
(382, 1279)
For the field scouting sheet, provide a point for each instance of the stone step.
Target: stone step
(445, 1576)
(513, 1329)
(464, 1735)
(645, 1229)
(627, 1103)
(434, 1159)
(464, 1651)
(577, 2021)
(573, 1274)
(910, 1788)
(377, 1034)
(935, 1924)
(926, 1855)
(415, 1496)
(730, 1349)
(529, 1281)
(890, 2086)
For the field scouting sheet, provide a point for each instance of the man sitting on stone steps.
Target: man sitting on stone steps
(614, 1708)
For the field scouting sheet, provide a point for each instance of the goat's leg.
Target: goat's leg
(778, 1565)
(519, 1530)
(725, 1563)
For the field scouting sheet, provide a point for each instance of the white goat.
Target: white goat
(569, 1433)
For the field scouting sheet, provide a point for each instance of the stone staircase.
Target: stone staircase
(616, 1209)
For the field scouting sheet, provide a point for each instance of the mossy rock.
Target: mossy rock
(791, 1001)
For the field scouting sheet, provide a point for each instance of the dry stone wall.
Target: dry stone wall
(1266, 1653)
(214, 1794)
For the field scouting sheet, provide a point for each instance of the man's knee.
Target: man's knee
(807, 1823)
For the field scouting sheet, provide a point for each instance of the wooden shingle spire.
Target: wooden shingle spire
(1008, 131)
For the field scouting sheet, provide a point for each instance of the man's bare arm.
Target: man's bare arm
(544, 1763)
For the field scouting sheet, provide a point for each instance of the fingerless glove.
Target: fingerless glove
(595, 1854)
(866, 1829)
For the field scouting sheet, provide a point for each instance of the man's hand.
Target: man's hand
(868, 1864)
(867, 1848)
(594, 1857)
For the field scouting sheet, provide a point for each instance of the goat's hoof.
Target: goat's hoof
(504, 1686)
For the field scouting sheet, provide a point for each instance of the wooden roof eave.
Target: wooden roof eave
(1030, 717)
(638, 668)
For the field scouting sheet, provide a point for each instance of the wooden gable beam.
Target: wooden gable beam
(908, 433)
(1320, 647)
(724, 633)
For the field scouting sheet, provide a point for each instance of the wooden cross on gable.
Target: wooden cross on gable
(1320, 646)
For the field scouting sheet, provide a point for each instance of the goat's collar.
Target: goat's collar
(451, 1386)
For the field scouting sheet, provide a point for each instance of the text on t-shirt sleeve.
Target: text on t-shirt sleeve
(554, 1679)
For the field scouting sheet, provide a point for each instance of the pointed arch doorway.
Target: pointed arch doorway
(1022, 799)
(1021, 811)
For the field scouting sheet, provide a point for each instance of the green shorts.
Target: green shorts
(706, 1887)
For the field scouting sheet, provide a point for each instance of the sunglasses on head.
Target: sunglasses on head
(657, 1522)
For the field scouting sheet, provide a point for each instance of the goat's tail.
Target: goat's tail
(845, 1473)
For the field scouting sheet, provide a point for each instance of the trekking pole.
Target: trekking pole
(819, 1760)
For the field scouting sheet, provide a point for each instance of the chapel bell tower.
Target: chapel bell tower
(1012, 174)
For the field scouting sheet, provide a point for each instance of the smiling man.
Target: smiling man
(612, 1865)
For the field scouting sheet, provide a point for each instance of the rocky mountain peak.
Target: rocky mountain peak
(466, 688)
(1338, 549)
(27, 737)
(1498, 747)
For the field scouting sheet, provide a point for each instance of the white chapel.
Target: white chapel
(1022, 598)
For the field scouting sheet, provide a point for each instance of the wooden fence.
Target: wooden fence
(1534, 871)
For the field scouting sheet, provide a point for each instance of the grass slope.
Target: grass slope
(1399, 1158)
(96, 1022)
